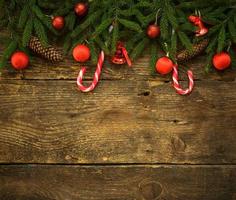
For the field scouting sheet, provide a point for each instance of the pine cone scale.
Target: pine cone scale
(198, 48)
(49, 53)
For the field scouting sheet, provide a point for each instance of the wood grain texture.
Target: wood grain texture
(120, 122)
(117, 182)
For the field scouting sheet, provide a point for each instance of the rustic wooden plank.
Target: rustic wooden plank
(120, 122)
(118, 182)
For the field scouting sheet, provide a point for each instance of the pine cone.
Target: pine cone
(198, 48)
(49, 53)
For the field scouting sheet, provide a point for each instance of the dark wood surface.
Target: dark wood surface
(132, 138)
(117, 182)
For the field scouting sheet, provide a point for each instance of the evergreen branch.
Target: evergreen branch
(115, 35)
(8, 52)
(185, 40)
(40, 32)
(221, 39)
(23, 17)
(86, 23)
(232, 31)
(138, 50)
(164, 26)
(154, 56)
(103, 26)
(27, 32)
(130, 25)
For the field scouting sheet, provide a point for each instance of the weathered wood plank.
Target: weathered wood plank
(121, 122)
(118, 182)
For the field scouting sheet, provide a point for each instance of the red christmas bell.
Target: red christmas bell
(197, 21)
(121, 55)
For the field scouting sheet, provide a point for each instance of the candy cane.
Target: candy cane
(96, 75)
(176, 82)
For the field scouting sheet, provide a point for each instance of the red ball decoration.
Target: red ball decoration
(221, 61)
(164, 65)
(153, 31)
(19, 60)
(81, 9)
(81, 53)
(58, 22)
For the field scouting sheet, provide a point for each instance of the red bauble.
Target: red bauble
(153, 31)
(58, 22)
(19, 60)
(81, 9)
(164, 65)
(81, 53)
(221, 61)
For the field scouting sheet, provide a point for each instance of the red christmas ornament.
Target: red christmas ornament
(121, 55)
(222, 61)
(58, 22)
(81, 9)
(20, 60)
(153, 31)
(81, 53)
(164, 65)
(197, 21)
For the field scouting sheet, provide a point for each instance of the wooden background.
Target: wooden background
(133, 138)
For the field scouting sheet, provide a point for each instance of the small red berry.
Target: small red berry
(81, 9)
(222, 61)
(164, 65)
(20, 60)
(81, 53)
(153, 31)
(58, 22)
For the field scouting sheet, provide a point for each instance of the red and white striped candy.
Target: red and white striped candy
(176, 84)
(96, 76)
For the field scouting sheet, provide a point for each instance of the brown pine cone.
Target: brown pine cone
(49, 53)
(198, 48)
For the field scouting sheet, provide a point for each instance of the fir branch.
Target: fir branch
(173, 46)
(102, 45)
(7, 53)
(103, 26)
(115, 36)
(185, 40)
(232, 30)
(164, 26)
(27, 32)
(86, 23)
(221, 39)
(23, 17)
(40, 32)
(130, 25)
(153, 59)
(139, 48)
(70, 21)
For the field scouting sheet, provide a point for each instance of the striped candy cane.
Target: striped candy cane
(96, 75)
(176, 84)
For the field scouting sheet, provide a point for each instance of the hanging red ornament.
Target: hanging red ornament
(81, 9)
(121, 55)
(58, 22)
(81, 53)
(164, 65)
(197, 21)
(221, 61)
(153, 31)
(19, 60)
